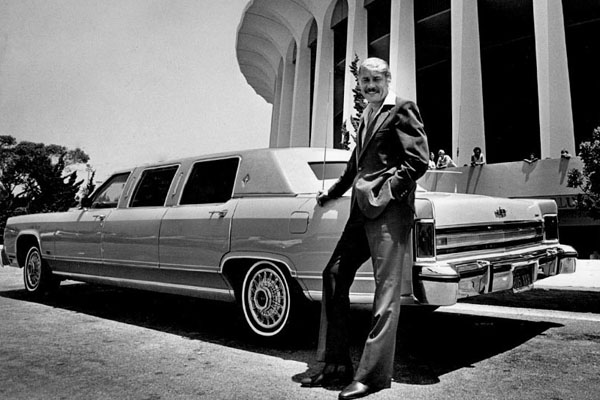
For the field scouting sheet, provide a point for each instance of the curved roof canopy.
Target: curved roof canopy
(267, 30)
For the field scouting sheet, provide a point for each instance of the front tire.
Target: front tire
(266, 300)
(37, 275)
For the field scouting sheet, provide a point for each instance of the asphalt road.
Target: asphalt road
(93, 342)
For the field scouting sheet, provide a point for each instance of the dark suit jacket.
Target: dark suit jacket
(395, 154)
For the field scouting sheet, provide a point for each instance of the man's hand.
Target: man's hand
(322, 198)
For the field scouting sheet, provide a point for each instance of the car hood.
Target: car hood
(454, 209)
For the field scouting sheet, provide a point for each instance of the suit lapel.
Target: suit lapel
(372, 128)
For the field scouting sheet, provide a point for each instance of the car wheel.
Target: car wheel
(36, 273)
(266, 299)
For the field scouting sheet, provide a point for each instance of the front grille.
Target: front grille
(488, 236)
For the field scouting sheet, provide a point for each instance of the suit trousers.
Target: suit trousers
(386, 240)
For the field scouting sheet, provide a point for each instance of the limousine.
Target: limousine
(244, 226)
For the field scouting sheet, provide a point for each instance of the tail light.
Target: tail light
(551, 227)
(425, 239)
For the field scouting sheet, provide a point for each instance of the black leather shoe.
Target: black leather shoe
(332, 375)
(355, 390)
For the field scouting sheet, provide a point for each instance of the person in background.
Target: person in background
(477, 158)
(391, 153)
(532, 158)
(444, 160)
(431, 160)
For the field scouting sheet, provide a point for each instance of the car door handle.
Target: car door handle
(99, 217)
(220, 213)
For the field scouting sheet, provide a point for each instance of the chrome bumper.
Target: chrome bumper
(4, 261)
(442, 283)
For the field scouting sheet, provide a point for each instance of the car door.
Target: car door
(195, 234)
(77, 240)
(130, 234)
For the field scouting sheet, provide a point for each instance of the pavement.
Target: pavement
(585, 278)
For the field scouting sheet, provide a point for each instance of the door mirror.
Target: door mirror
(86, 202)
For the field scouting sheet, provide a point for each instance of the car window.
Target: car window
(153, 187)
(210, 182)
(108, 195)
(329, 170)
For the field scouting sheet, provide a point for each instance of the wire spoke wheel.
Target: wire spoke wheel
(266, 299)
(33, 270)
(37, 275)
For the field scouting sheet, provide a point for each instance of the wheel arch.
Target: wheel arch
(235, 266)
(24, 242)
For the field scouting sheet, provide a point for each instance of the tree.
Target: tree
(35, 177)
(588, 180)
(359, 106)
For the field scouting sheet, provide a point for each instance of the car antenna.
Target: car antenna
(326, 130)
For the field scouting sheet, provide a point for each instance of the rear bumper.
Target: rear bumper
(442, 283)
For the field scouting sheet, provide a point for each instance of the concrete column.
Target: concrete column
(301, 103)
(402, 49)
(356, 44)
(273, 138)
(554, 92)
(285, 109)
(322, 122)
(468, 129)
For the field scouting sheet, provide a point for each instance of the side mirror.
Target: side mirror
(86, 202)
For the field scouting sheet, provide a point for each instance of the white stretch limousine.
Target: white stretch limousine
(245, 227)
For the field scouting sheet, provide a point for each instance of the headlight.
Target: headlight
(425, 239)
(550, 227)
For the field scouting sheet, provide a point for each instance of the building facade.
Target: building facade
(513, 77)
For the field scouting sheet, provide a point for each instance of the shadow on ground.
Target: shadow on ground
(544, 299)
(429, 344)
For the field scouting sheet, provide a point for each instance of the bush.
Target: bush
(588, 179)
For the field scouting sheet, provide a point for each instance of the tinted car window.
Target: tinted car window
(153, 187)
(210, 182)
(108, 195)
(331, 170)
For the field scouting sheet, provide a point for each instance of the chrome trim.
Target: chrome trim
(4, 261)
(434, 239)
(196, 291)
(192, 268)
(100, 261)
(74, 259)
(265, 257)
(444, 282)
(320, 276)
(355, 298)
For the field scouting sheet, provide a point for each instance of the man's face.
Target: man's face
(373, 85)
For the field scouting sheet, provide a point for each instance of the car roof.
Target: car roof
(271, 170)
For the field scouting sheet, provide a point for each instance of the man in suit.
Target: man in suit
(391, 153)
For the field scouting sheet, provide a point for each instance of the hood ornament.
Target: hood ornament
(500, 212)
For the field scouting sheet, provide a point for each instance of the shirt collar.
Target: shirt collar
(390, 99)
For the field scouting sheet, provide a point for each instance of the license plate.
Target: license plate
(523, 278)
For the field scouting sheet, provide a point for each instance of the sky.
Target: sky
(129, 82)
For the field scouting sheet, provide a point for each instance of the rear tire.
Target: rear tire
(37, 276)
(267, 300)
